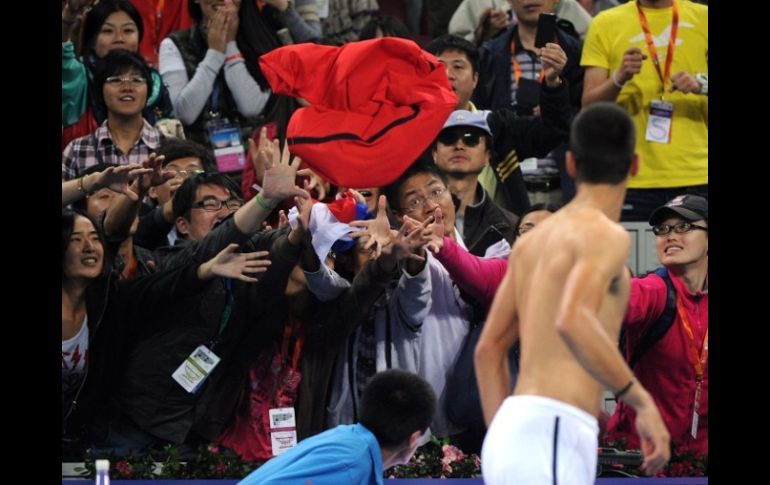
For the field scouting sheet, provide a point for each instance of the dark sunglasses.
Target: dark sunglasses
(469, 138)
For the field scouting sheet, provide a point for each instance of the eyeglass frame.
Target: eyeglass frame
(419, 202)
(225, 203)
(188, 173)
(684, 226)
(132, 80)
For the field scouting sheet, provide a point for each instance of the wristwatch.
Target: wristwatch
(703, 80)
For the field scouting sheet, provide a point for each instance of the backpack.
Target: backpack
(658, 329)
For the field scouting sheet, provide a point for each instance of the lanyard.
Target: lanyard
(664, 76)
(516, 67)
(697, 359)
(226, 311)
(698, 362)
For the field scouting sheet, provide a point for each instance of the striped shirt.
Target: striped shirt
(90, 150)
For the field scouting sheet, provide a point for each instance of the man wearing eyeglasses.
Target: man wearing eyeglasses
(183, 158)
(669, 368)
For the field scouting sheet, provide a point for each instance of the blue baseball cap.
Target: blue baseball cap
(463, 117)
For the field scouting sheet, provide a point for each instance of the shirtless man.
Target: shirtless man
(565, 292)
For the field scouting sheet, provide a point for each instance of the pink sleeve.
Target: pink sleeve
(646, 301)
(479, 277)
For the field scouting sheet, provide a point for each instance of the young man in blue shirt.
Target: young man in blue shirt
(396, 409)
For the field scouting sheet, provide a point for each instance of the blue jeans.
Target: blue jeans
(640, 203)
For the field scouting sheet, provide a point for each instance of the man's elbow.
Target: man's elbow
(484, 353)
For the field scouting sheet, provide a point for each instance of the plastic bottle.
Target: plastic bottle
(102, 472)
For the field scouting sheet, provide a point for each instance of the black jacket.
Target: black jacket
(146, 391)
(486, 223)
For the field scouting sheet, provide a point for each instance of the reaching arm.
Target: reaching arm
(113, 178)
(120, 215)
(229, 264)
(301, 19)
(491, 355)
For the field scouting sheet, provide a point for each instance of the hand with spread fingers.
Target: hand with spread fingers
(434, 237)
(280, 174)
(156, 176)
(118, 178)
(376, 233)
(301, 234)
(231, 264)
(315, 181)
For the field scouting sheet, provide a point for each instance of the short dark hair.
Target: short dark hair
(116, 62)
(68, 217)
(98, 15)
(173, 148)
(389, 25)
(395, 404)
(602, 141)
(423, 165)
(451, 42)
(184, 197)
(540, 206)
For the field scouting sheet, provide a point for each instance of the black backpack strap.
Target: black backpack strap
(658, 329)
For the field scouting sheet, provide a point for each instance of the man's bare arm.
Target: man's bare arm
(579, 326)
(491, 355)
(599, 84)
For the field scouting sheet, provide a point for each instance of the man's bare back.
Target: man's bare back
(542, 265)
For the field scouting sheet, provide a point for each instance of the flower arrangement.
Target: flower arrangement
(210, 462)
(683, 462)
(438, 459)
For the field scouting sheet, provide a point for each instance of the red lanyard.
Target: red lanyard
(664, 76)
(698, 361)
(515, 64)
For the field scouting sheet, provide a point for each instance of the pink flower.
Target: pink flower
(445, 468)
(451, 454)
(477, 461)
(221, 468)
(124, 468)
(214, 450)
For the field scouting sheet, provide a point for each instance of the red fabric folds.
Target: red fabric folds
(376, 106)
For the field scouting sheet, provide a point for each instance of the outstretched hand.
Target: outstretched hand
(280, 173)
(376, 231)
(156, 176)
(302, 231)
(230, 264)
(434, 236)
(315, 182)
(118, 178)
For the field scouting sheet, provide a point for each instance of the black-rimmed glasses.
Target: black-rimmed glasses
(680, 228)
(211, 203)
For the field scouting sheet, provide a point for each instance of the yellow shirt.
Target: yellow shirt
(683, 161)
